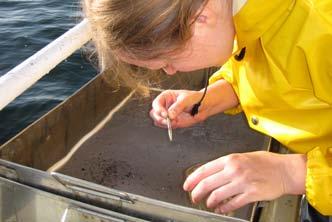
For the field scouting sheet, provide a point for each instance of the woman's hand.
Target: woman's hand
(177, 104)
(233, 181)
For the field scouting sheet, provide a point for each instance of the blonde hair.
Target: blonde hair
(141, 29)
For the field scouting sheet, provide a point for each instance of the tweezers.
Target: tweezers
(169, 127)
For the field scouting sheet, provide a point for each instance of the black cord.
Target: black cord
(241, 55)
(238, 57)
(194, 110)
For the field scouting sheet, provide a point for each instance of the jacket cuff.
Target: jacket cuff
(319, 179)
(226, 75)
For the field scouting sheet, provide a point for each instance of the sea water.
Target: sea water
(26, 26)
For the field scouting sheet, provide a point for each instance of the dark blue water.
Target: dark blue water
(26, 26)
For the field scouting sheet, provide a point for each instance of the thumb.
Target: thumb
(178, 107)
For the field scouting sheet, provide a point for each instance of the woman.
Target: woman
(278, 73)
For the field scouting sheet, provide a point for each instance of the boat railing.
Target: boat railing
(24, 75)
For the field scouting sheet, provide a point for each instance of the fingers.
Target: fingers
(203, 172)
(221, 183)
(234, 203)
(235, 180)
(185, 119)
(208, 185)
(178, 107)
(175, 104)
(159, 104)
(222, 194)
(158, 119)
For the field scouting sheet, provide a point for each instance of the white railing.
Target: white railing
(23, 76)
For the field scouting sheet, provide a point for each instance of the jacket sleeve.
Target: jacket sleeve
(226, 73)
(319, 179)
(319, 160)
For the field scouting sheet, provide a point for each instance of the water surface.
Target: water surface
(26, 26)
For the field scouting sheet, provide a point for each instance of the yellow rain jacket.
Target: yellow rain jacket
(284, 82)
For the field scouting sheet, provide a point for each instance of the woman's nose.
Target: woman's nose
(170, 70)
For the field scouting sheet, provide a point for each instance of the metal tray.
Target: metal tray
(103, 135)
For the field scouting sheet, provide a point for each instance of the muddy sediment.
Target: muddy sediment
(132, 155)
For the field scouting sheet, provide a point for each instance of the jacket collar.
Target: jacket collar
(257, 16)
